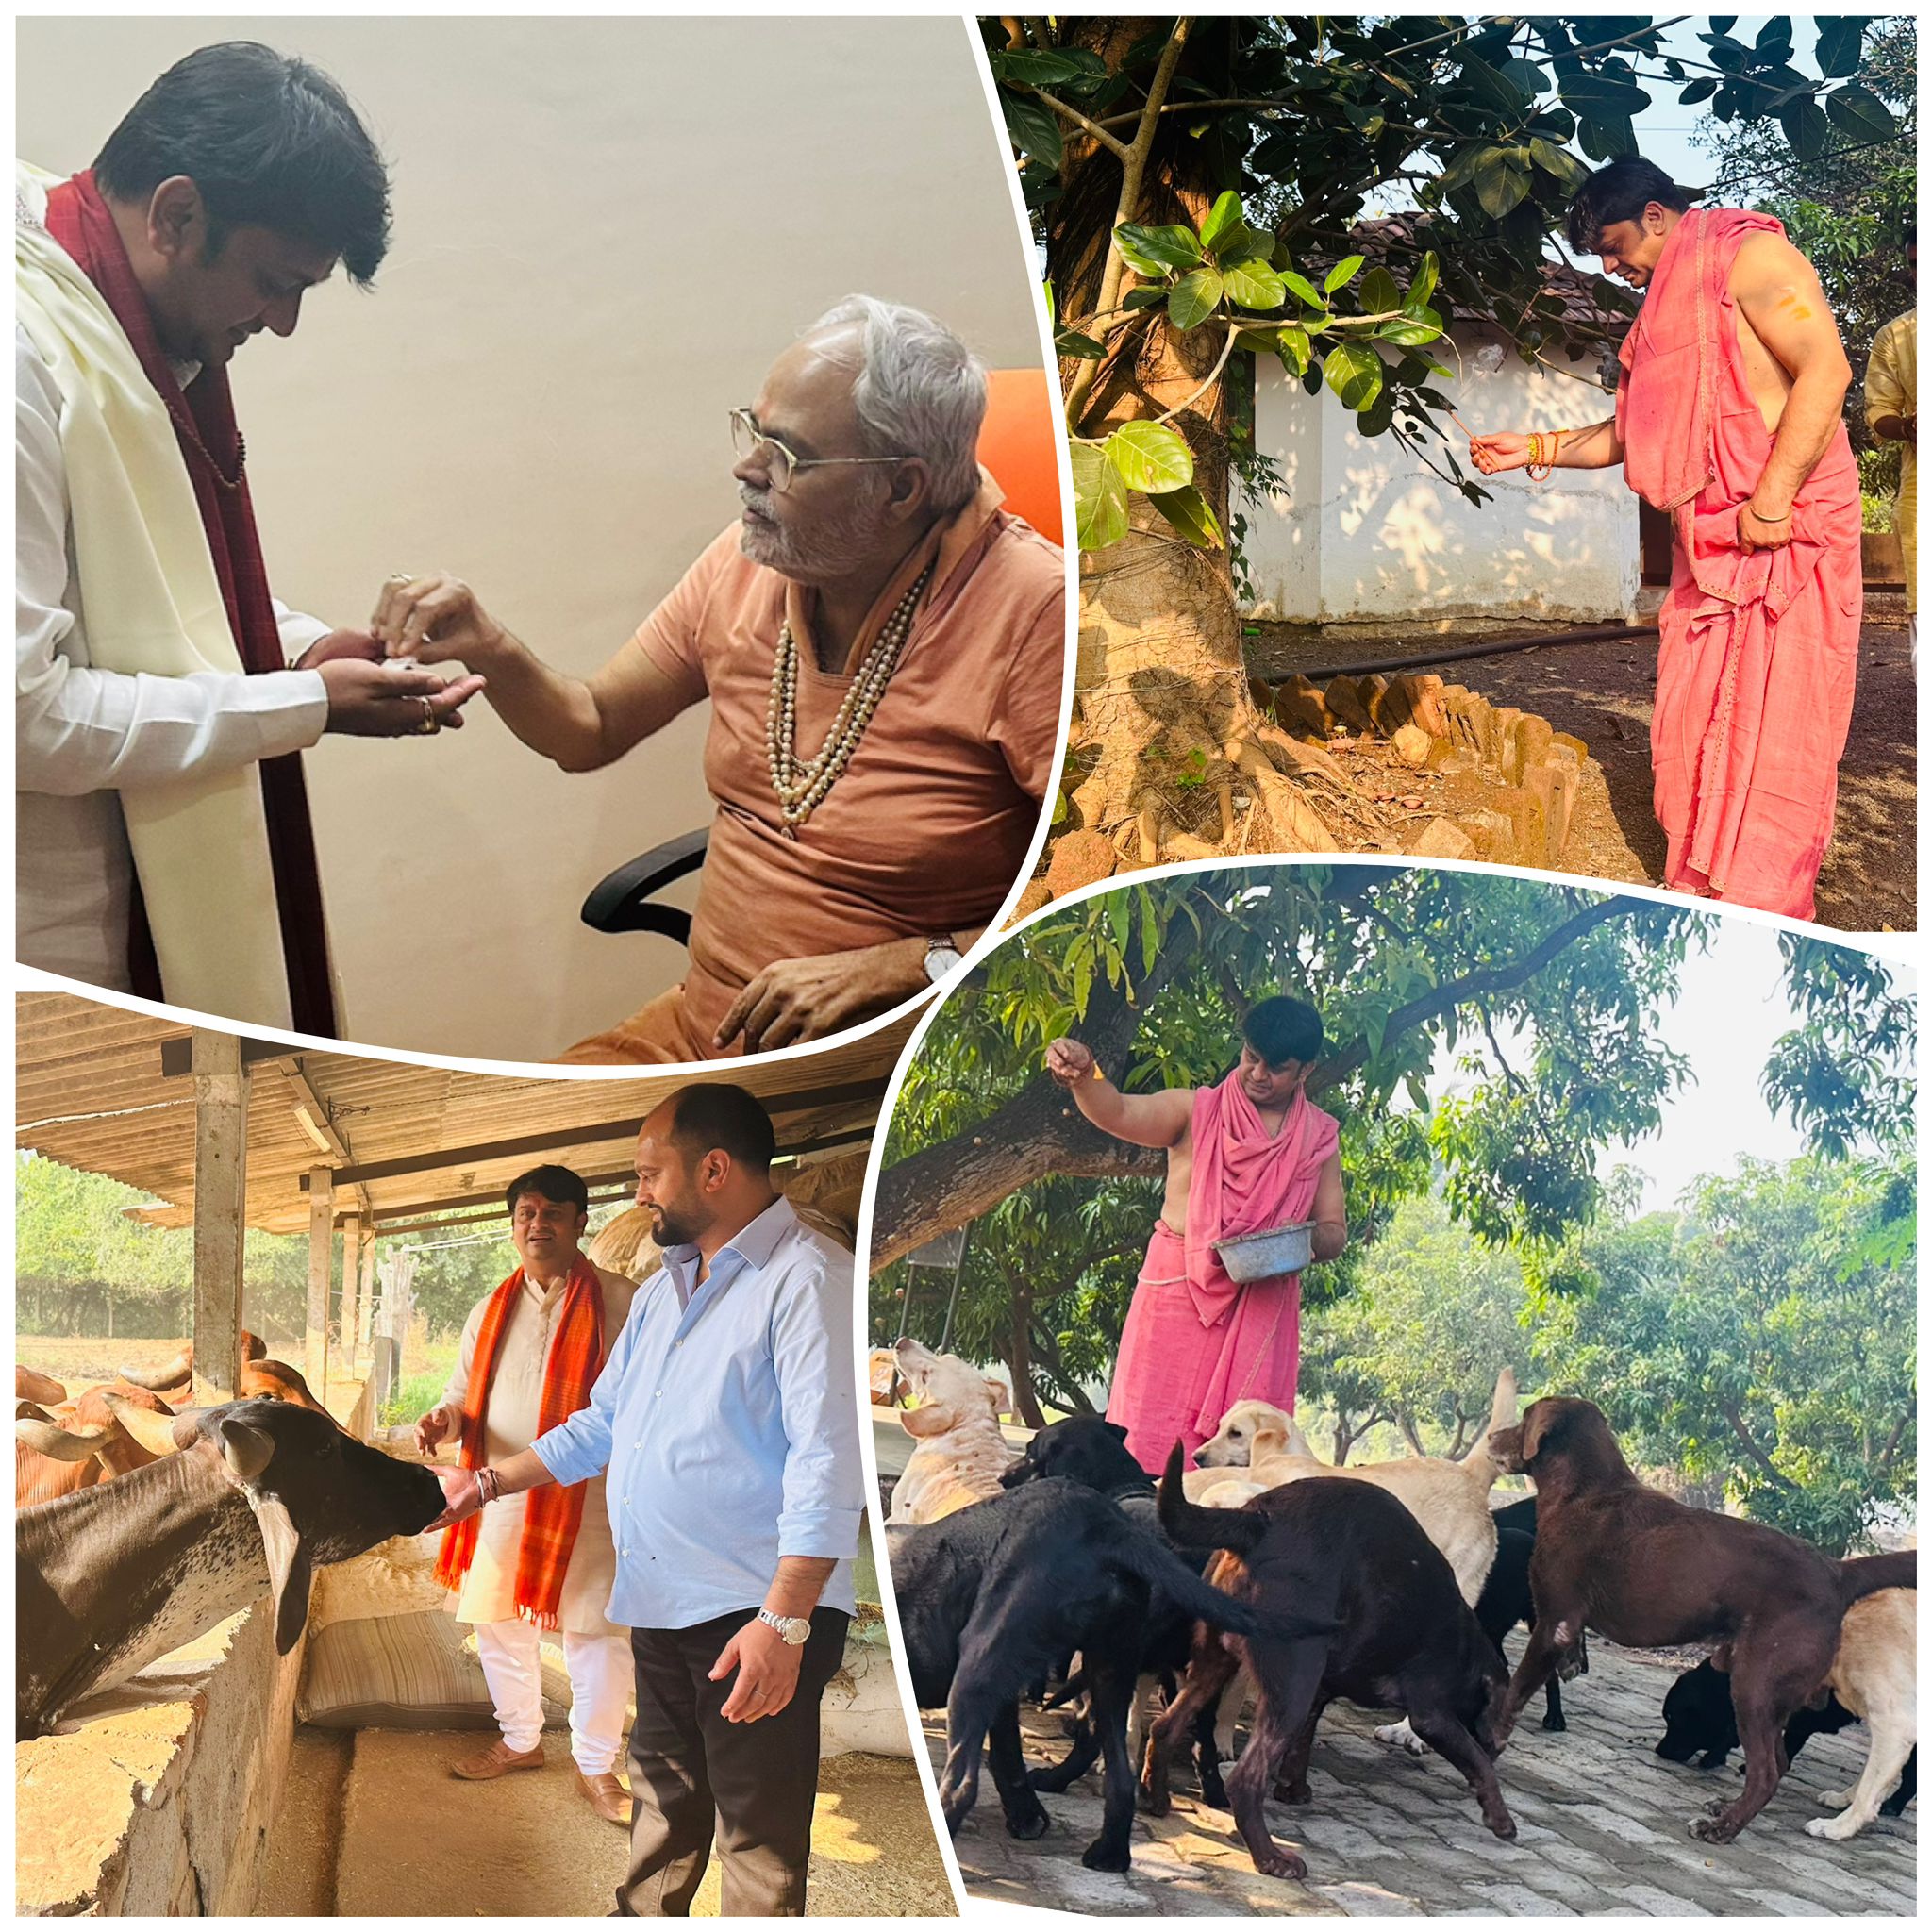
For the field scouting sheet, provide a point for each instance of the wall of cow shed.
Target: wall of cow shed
(157, 1800)
(1361, 533)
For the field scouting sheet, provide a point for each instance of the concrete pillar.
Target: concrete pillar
(321, 1269)
(352, 1277)
(366, 1301)
(221, 1184)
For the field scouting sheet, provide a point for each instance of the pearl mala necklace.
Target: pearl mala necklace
(802, 787)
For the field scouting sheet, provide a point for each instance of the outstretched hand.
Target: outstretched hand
(1506, 450)
(1070, 1062)
(462, 1496)
(374, 700)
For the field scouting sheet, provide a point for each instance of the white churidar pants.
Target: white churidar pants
(600, 1676)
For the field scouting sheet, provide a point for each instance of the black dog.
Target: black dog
(1505, 1600)
(991, 1595)
(1699, 1716)
(1085, 1449)
(1401, 1636)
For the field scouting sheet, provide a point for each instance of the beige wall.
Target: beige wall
(605, 229)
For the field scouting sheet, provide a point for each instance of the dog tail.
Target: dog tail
(1502, 1416)
(1193, 1527)
(1861, 1576)
(1160, 1569)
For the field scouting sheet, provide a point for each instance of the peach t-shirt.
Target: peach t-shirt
(927, 829)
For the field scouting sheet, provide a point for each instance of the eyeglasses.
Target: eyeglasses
(748, 438)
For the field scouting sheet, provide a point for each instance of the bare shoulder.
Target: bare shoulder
(1766, 263)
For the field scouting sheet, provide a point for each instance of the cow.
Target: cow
(30, 1385)
(80, 1443)
(258, 1492)
(173, 1379)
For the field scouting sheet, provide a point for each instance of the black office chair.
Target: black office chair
(621, 901)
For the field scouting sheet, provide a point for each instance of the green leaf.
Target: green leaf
(1070, 341)
(1254, 285)
(1525, 76)
(1423, 286)
(1840, 40)
(1558, 162)
(1342, 273)
(1046, 67)
(1378, 292)
(1151, 456)
(1292, 345)
(1154, 251)
(1194, 298)
(1858, 114)
(1031, 126)
(1354, 371)
(1145, 298)
(1223, 222)
(1417, 326)
(1188, 511)
(1301, 289)
(1698, 91)
(1500, 184)
(1806, 129)
(1100, 498)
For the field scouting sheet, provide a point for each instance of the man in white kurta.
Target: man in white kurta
(547, 1220)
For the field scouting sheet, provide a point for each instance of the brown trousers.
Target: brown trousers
(698, 1780)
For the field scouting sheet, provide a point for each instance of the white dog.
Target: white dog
(961, 1453)
(1875, 1675)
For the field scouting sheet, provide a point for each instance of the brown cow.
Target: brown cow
(173, 1379)
(30, 1385)
(81, 1443)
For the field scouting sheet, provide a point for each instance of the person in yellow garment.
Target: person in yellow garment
(1892, 414)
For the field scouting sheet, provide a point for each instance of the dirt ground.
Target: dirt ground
(371, 1824)
(1602, 692)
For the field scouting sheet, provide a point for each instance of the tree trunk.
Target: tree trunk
(1020, 1357)
(1162, 686)
(1047, 1349)
(1406, 1425)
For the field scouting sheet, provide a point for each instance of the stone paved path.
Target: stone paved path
(1601, 1823)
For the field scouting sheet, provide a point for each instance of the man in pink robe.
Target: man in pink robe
(1249, 1154)
(1730, 417)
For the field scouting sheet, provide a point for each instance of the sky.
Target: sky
(1730, 1008)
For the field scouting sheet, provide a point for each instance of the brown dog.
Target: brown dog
(1614, 1557)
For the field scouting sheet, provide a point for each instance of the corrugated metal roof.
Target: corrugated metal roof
(90, 1090)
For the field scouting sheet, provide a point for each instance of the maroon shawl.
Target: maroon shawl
(211, 447)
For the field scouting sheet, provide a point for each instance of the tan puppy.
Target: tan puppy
(961, 1453)
(1875, 1675)
(1449, 1499)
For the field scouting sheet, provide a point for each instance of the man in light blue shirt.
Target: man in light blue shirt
(727, 1417)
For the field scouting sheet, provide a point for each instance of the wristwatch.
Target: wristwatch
(794, 1630)
(941, 956)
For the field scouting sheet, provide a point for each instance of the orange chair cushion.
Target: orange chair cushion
(1019, 443)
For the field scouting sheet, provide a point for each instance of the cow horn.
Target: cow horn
(248, 1449)
(63, 1445)
(176, 1373)
(154, 1433)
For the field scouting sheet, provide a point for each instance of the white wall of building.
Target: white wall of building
(1360, 532)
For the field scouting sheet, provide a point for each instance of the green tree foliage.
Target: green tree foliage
(1188, 176)
(1758, 1343)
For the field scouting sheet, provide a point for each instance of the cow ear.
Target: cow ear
(289, 1569)
(1120, 1429)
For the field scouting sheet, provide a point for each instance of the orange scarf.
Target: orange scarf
(551, 1514)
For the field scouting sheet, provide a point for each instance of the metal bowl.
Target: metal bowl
(1271, 1253)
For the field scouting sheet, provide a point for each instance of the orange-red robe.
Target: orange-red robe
(1760, 651)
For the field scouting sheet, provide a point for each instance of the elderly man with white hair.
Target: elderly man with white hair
(883, 648)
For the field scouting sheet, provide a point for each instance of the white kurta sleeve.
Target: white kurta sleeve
(458, 1384)
(79, 729)
(297, 630)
